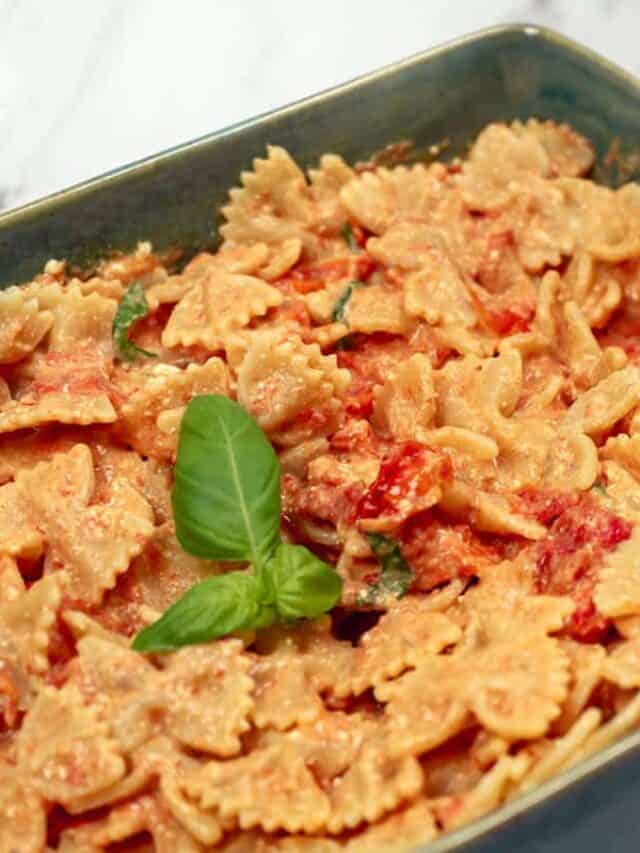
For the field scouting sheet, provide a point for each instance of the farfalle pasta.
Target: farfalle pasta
(446, 359)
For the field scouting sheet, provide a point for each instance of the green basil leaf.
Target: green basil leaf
(599, 487)
(305, 586)
(133, 307)
(226, 492)
(395, 573)
(211, 609)
(340, 308)
(349, 237)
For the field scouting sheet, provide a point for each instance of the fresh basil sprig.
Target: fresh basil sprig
(226, 506)
(395, 573)
(133, 307)
(340, 308)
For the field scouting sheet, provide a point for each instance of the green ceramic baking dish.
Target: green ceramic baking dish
(448, 93)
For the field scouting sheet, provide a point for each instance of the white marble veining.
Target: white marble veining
(87, 85)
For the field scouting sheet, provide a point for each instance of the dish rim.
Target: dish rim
(84, 187)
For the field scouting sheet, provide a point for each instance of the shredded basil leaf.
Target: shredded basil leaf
(226, 506)
(395, 573)
(133, 307)
(599, 487)
(340, 308)
(349, 237)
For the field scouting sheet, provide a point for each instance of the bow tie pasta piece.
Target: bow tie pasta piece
(588, 362)
(617, 592)
(279, 382)
(61, 734)
(383, 197)
(149, 417)
(598, 409)
(330, 744)
(621, 473)
(23, 325)
(149, 813)
(593, 286)
(512, 688)
(438, 294)
(57, 407)
(412, 825)
(488, 609)
(26, 623)
(480, 394)
(549, 218)
(378, 308)
(82, 321)
(569, 153)
(271, 788)
(405, 406)
(586, 663)
(202, 698)
(406, 632)
(491, 513)
(259, 259)
(326, 661)
(619, 240)
(347, 760)
(408, 246)
(420, 715)
(164, 572)
(12, 586)
(569, 214)
(326, 183)
(622, 665)
(275, 203)
(501, 163)
(94, 543)
(566, 333)
(374, 784)
(208, 693)
(521, 689)
(23, 814)
(218, 305)
(60, 387)
(18, 535)
(283, 693)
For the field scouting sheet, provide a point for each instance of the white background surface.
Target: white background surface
(86, 85)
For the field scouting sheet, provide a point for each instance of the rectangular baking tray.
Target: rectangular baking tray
(443, 95)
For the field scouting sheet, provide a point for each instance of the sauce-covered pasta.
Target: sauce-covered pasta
(445, 358)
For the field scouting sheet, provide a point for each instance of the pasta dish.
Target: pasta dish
(327, 540)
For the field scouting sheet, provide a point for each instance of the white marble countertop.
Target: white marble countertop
(87, 86)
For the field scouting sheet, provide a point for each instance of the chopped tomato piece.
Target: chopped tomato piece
(569, 558)
(326, 501)
(508, 321)
(545, 505)
(358, 267)
(439, 551)
(405, 477)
